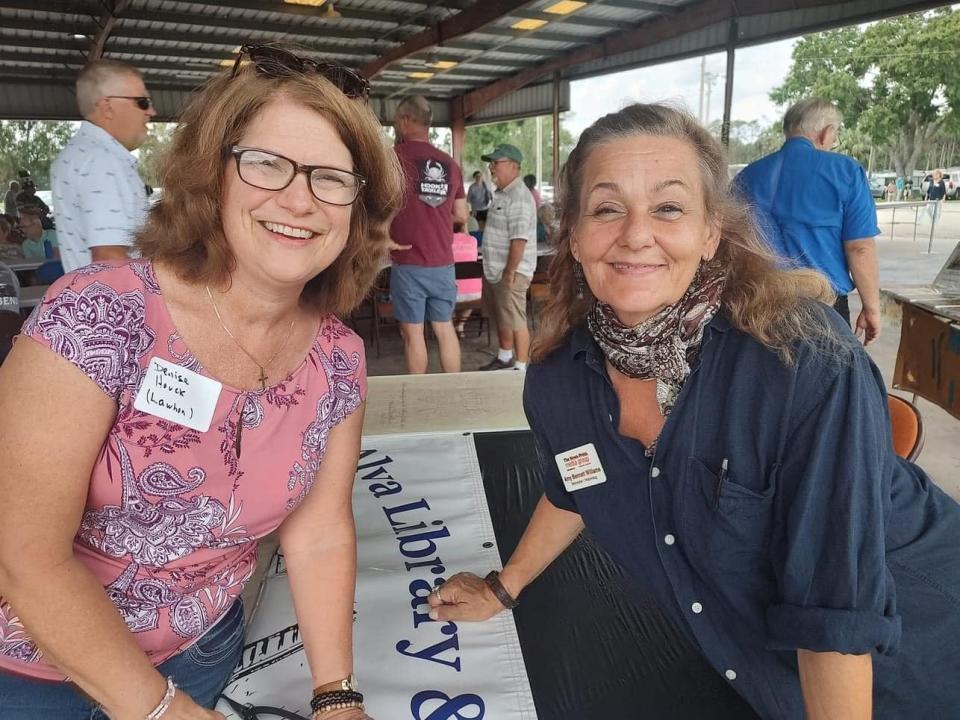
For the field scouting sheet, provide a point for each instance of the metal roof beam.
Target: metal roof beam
(89, 27)
(656, 7)
(693, 17)
(59, 7)
(313, 12)
(255, 27)
(112, 8)
(467, 46)
(126, 33)
(463, 23)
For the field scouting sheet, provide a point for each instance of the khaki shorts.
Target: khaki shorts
(507, 305)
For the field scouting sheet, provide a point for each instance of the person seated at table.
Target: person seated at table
(35, 237)
(10, 249)
(194, 401)
(723, 435)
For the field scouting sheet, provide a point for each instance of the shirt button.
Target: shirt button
(669, 539)
(697, 608)
(730, 674)
(654, 472)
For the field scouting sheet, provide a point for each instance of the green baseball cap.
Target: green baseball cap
(504, 151)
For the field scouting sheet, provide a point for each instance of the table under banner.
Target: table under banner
(580, 646)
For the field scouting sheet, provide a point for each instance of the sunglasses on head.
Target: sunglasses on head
(276, 62)
(143, 102)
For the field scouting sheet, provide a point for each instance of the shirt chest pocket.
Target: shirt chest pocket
(727, 525)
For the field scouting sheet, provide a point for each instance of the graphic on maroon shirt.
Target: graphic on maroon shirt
(432, 186)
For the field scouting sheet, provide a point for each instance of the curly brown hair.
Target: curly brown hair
(766, 301)
(184, 229)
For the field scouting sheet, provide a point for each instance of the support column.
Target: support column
(728, 86)
(556, 133)
(458, 128)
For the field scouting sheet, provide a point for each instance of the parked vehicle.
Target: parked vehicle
(878, 189)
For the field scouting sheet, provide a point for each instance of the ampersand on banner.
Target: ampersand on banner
(449, 709)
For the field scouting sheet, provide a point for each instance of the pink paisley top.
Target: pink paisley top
(173, 515)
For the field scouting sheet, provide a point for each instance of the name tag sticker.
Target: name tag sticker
(580, 468)
(174, 393)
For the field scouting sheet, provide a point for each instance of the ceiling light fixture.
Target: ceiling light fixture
(565, 7)
(444, 64)
(528, 24)
(421, 75)
(312, 3)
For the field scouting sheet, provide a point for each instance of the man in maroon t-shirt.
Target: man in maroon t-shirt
(423, 285)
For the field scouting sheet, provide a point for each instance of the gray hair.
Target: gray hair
(14, 185)
(97, 80)
(416, 108)
(810, 115)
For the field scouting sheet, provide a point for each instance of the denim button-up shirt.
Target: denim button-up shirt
(773, 516)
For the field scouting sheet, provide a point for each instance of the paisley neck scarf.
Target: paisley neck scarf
(663, 346)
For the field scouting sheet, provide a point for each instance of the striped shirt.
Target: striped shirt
(512, 215)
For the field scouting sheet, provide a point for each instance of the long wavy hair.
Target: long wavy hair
(761, 298)
(185, 228)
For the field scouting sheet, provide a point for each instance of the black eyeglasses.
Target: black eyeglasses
(143, 101)
(276, 62)
(269, 171)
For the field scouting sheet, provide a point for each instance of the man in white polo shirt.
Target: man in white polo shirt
(99, 197)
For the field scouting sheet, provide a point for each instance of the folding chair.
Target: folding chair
(906, 426)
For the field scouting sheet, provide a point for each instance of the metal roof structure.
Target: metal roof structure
(476, 60)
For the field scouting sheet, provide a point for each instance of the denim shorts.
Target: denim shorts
(201, 671)
(423, 293)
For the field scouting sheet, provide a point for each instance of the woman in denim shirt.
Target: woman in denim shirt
(726, 439)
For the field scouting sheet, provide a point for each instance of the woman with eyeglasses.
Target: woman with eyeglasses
(161, 415)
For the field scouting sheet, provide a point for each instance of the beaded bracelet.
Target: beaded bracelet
(161, 709)
(336, 700)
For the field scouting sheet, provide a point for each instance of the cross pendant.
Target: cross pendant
(263, 380)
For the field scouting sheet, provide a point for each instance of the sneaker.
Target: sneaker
(497, 364)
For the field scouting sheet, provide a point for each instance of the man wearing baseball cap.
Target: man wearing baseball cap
(509, 257)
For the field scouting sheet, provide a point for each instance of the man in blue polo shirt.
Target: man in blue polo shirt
(815, 208)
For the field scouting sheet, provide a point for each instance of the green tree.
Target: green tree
(31, 145)
(482, 139)
(896, 81)
(159, 137)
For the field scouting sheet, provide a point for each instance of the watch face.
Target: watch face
(350, 683)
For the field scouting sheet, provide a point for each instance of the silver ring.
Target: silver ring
(440, 597)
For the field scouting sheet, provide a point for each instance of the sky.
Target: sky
(757, 71)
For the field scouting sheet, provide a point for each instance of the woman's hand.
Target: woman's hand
(182, 707)
(465, 596)
(345, 714)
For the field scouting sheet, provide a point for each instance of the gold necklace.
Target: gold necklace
(263, 373)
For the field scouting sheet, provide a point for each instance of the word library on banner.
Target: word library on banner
(421, 516)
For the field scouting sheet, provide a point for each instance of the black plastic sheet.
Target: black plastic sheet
(593, 649)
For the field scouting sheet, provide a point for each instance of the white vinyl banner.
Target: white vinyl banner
(421, 516)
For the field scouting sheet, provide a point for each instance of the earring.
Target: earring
(578, 279)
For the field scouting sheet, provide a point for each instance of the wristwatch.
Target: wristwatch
(349, 683)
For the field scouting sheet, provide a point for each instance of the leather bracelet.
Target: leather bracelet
(506, 599)
(161, 709)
